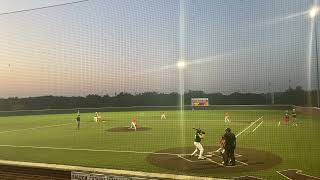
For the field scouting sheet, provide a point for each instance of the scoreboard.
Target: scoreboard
(199, 102)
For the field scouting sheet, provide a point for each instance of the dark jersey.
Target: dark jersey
(197, 137)
(78, 118)
(230, 140)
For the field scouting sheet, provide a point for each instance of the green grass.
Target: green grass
(297, 146)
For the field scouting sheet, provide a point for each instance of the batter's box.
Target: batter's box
(217, 159)
(178, 159)
(190, 158)
(218, 154)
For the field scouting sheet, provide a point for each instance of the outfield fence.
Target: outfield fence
(143, 108)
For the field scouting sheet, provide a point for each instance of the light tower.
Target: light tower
(313, 14)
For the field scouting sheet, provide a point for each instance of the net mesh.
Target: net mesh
(253, 60)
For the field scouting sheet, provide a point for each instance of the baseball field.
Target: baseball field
(164, 146)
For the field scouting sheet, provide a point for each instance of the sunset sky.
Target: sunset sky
(110, 46)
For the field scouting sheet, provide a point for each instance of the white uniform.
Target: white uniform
(133, 123)
(95, 118)
(163, 116)
(133, 126)
(226, 118)
(198, 146)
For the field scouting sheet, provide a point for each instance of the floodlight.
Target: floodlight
(314, 11)
(181, 64)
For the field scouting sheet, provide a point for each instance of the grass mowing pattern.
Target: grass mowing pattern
(298, 146)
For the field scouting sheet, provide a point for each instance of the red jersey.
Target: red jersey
(222, 142)
(134, 120)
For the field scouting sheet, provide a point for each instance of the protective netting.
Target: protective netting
(169, 70)
(99, 47)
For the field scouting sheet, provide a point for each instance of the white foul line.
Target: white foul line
(279, 172)
(242, 162)
(298, 171)
(224, 165)
(236, 160)
(106, 150)
(257, 126)
(184, 158)
(39, 127)
(90, 150)
(244, 130)
(214, 162)
(235, 155)
(248, 126)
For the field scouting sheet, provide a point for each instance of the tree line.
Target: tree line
(297, 96)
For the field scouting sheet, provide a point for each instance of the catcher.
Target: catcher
(222, 143)
(199, 135)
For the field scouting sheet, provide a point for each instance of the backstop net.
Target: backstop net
(127, 84)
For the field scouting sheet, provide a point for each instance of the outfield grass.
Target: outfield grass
(297, 146)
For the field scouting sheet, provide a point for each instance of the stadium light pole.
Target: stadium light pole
(181, 65)
(313, 14)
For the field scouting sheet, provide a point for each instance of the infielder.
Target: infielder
(226, 117)
(222, 143)
(199, 134)
(163, 116)
(96, 117)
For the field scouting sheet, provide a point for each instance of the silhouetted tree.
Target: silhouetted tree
(297, 96)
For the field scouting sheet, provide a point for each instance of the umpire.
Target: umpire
(230, 146)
